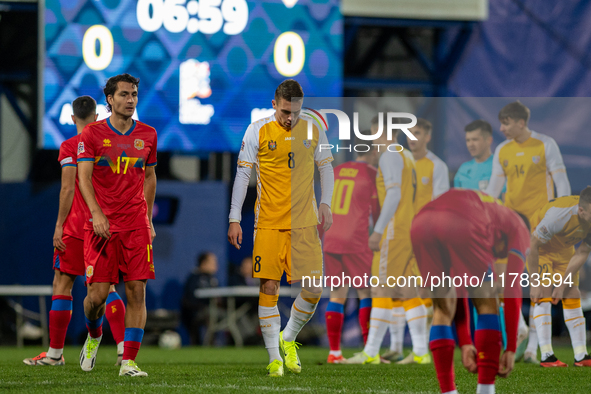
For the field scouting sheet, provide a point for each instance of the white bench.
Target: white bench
(19, 291)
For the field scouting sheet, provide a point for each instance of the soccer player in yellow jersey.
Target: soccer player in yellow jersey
(286, 215)
(531, 164)
(432, 180)
(396, 183)
(559, 226)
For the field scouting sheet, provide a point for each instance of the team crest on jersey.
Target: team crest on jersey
(425, 180)
(80, 147)
(89, 271)
(138, 144)
(544, 231)
(506, 163)
(307, 143)
(107, 142)
(536, 159)
(272, 145)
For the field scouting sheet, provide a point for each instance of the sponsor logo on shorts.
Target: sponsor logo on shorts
(151, 267)
(272, 145)
(536, 159)
(307, 143)
(80, 147)
(138, 144)
(66, 161)
(107, 142)
(89, 271)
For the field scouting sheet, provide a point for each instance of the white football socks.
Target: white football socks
(270, 322)
(543, 319)
(379, 320)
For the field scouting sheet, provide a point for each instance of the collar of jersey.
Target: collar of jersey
(117, 131)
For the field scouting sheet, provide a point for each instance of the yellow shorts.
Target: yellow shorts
(296, 252)
(548, 265)
(395, 258)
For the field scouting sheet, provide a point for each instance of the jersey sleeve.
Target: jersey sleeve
(153, 153)
(497, 178)
(85, 149)
(552, 223)
(322, 156)
(250, 147)
(67, 156)
(391, 165)
(440, 178)
(554, 161)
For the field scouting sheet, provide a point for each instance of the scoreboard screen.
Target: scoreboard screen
(207, 68)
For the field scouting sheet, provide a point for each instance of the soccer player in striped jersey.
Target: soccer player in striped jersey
(531, 165)
(346, 251)
(68, 257)
(116, 172)
(286, 215)
(558, 227)
(432, 181)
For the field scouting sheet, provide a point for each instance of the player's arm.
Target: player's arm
(391, 167)
(440, 179)
(556, 167)
(100, 223)
(497, 178)
(150, 194)
(574, 265)
(247, 156)
(323, 159)
(66, 198)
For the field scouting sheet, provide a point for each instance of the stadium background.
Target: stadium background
(503, 50)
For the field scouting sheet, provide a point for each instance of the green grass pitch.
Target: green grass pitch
(233, 370)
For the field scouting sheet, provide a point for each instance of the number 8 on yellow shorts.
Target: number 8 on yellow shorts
(296, 252)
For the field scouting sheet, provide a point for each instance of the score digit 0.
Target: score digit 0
(104, 37)
(284, 65)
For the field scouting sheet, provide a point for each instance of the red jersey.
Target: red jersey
(74, 224)
(118, 176)
(354, 199)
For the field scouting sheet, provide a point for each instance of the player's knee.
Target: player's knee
(62, 284)
(270, 287)
(136, 294)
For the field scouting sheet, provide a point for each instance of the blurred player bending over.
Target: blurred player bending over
(432, 181)
(346, 251)
(396, 184)
(116, 163)
(529, 162)
(68, 241)
(462, 233)
(286, 216)
(559, 226)
(475, 174)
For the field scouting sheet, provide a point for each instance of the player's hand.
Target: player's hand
(469, 358)
(152, 231)
(374, 241)
(558, 294)
(325, 216)
(535, 294)
(507, 363)
(58, 243)
(235, 234)
(100, 224)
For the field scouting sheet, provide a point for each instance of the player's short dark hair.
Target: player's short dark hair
(515, 111)
(585, 196)
(83, 107)
(111, 86)
(202, 258)
(479, 124)
(289, 90)
(525, 220)
(424, 124)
